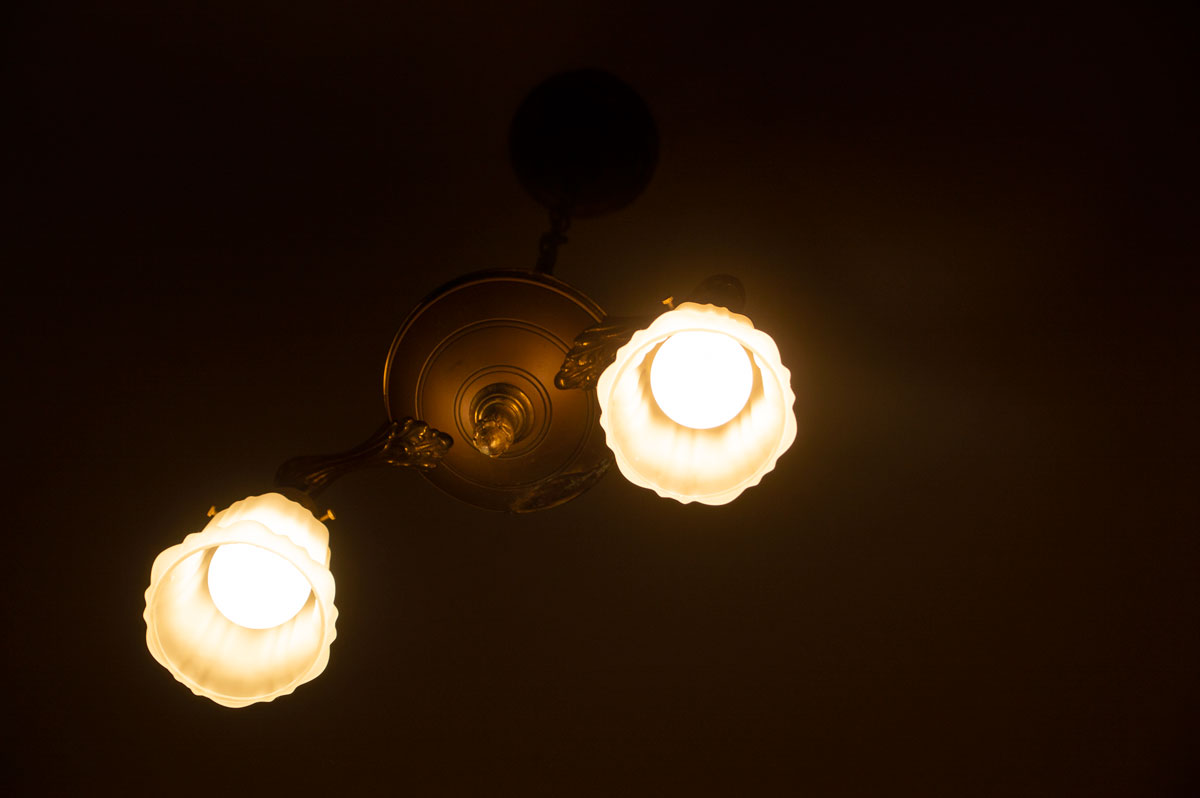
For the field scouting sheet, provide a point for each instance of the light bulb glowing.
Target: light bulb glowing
(254, 587)
(701, 379)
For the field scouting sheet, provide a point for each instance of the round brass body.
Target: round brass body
(487, 347)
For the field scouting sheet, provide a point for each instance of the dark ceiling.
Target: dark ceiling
(974, 573)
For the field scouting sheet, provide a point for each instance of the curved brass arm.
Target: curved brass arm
(406, 442)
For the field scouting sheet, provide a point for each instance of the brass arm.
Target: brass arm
(407, 442)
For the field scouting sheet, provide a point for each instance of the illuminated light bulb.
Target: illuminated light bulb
(255, 588)
(701, 379)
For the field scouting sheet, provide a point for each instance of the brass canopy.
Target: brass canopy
(477, 360)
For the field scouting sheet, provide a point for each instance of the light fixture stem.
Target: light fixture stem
(551, 240)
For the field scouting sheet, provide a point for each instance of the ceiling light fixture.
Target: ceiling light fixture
(510, 390)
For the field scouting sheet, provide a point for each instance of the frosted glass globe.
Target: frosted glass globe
(701, 463)
(255, 588)
(701, 379)
(217, 651)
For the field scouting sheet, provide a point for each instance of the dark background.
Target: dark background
(973, 574)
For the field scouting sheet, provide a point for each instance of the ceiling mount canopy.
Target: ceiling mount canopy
(583, 143)
(508, 389)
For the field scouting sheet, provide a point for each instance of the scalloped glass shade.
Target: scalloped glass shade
(216, 658)
(714, 465)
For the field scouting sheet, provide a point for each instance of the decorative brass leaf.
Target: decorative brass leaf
(594, 350)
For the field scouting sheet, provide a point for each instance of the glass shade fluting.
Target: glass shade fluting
(243, 611)
(710, 419)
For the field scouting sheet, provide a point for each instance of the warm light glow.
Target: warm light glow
(646, 404)
(254, 588)
(701, 379)
(242, 611)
